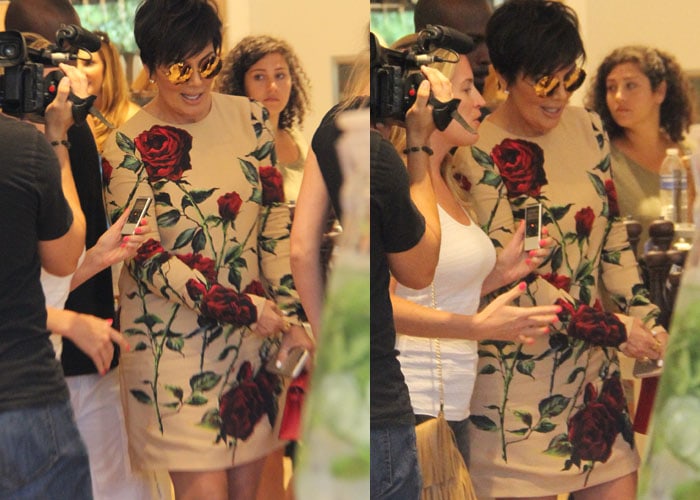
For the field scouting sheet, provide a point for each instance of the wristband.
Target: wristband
(417, 149)
(61, 143)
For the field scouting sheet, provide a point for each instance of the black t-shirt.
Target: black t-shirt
(396, 225)
(95, 296)
(33, 208)
(323, 145)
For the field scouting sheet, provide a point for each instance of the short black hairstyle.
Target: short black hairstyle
(533, 37)
(168, 31)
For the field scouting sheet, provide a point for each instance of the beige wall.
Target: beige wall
(671, 25)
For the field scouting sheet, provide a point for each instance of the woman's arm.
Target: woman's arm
(498, 321)
(310, 217)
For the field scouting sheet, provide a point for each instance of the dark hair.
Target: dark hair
(168, 31)
(249, 51)
(43, 17)
(676, 113)
(535, 37)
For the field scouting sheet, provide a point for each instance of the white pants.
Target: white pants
(98, 411)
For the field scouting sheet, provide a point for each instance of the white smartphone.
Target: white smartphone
(292, 366)
(533, 226)
(138, 211)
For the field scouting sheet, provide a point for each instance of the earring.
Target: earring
(151, 81)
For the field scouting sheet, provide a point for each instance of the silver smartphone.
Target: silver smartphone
(292, 366)
(138, 211)
(533, 226)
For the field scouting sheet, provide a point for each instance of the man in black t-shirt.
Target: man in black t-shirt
(95, 396)
(41, 452)
(404, 241)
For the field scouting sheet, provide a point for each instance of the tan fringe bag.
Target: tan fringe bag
(445, 475)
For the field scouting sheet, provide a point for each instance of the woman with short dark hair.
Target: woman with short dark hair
(209, 294)
(551, 417)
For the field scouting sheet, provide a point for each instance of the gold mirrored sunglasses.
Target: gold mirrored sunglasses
(180, 72)
(547, 85)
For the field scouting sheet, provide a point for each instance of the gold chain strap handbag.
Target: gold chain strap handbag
(445, 475)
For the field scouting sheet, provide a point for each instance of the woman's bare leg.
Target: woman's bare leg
(243, 480)
(622, 488)
(212, 485)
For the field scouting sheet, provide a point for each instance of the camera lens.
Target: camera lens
(9, 50)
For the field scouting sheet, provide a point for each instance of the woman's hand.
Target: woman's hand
(112, 248)
(270, 320)
(514, 263)
(501, 321)
(644, 343)
(419, 118)
(59, 114)
(92, 335)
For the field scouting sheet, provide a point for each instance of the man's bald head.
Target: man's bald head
(44, 17)
(469, 17)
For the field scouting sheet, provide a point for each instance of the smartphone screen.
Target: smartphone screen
(533, 226)
(138, 211)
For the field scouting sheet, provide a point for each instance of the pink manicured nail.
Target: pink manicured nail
(522, 285)
(528, 261)
(543, 243)
(532, 253)
(109, 321)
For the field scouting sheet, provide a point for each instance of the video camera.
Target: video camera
(395, 75)
(24, 90)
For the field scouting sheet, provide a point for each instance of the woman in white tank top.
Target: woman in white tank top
(468, 268)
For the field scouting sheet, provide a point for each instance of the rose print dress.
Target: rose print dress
(551, 417)
(194, 392)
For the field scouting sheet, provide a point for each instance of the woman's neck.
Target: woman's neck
(646, 145)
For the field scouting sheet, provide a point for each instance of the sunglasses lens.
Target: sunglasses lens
(546, 85)
(179, 73)
(210, 67)
(575, 80)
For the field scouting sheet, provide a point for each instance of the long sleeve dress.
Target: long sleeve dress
(195, 394)
(552, 417)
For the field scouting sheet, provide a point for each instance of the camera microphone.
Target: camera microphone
(445, 38)
(71, 35)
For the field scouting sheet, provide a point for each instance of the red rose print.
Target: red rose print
(204, 265)
(558, 280)
(584, 222)
(271, 179)
(106, 172)
(598, 327)
(521, 165)
(151, 249)
(165, 152)
(255, 288)
(243, 406)
(229, 206)
(227, 306)
(612, 395)
(592, 432)
(195, 289)
(612, 198)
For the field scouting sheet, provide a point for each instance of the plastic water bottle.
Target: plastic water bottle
(673, 188)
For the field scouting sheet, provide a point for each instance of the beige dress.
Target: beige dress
(293, 172)
(194, 393)
(551, 417)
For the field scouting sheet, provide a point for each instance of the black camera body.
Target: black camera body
(25, 91)
(395, 75)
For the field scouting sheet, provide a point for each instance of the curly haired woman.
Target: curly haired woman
(266, 69)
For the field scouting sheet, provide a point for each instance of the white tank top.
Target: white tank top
(467, 256)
